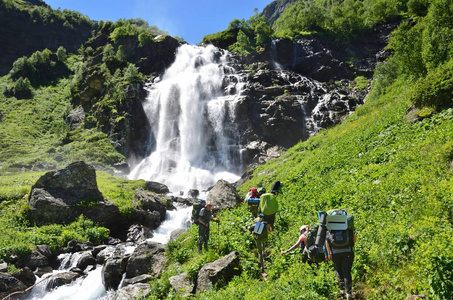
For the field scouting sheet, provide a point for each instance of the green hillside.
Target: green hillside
(390, 163)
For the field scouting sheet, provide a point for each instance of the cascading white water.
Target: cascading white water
(194, 139)
(195, 143)
(90, 287)
(175, 219)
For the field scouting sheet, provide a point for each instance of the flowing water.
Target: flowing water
(194, 140)
(90, 287)
(194, 144)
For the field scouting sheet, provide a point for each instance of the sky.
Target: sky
(190, 20)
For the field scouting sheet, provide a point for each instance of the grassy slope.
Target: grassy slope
(34, 135)
(394, 175)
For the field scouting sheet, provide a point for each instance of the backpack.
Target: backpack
(315, 252)
(268, 204)
(253, 193)
(340, 229)
(260, 229)
(197, 206)
(276, 187)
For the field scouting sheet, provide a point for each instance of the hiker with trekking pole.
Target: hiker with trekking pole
(204, 219)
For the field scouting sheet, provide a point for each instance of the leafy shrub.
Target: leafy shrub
(436, 89)
(42, 67)
(22, 88)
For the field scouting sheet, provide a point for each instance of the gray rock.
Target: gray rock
(61, 196)
(138, 279)
(26, 276)
(139, 291)
(61, 279)
(223, 195)
(112, 272)
(75, 118)
(145, 260)
(138, 233)
(181, 284)
(177, 233)
(149, 202)
(86, 260)
(156, 187)
(10, 284)
(219, 272)
(3, 267)
(36, 259)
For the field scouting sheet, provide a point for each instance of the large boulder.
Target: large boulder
(223, 195)
(61, 196)
(112, 272)
(61, 279)
(10, 284)
(149, 202)
(156, 187)
(149, 210)
(145, 260)
(219, 272)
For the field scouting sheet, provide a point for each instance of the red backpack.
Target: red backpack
(254, 192)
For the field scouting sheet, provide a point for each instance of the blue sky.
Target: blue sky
(190, 20)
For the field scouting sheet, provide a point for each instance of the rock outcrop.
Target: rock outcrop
(219, 272)
(61, 196)
(223, 195)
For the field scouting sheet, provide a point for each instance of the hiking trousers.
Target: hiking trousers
(343, 265)
(203, 237)
(260, 247)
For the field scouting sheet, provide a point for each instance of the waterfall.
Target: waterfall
(194, 139)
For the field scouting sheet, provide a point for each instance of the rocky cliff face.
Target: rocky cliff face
(289, 92)
(273, 11)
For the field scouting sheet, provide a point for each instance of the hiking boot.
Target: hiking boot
(342, 293)
(349, 296)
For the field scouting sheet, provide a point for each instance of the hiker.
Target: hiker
(342, 257)
(253, 200)
(300, 243)
(269, 205)
(205, 217)
(261, 190)
(260, 233)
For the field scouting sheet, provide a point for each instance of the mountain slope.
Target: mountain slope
(28, 26)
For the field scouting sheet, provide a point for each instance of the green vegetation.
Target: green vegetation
(392, 171)
(118, 190)
(338, 20)
(394, 174)
(20, 236)
(242, 36)
(34, 135)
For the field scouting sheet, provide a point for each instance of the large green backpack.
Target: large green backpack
(197, 206)
(268, 204)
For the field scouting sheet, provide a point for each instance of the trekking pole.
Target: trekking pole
(218, 237)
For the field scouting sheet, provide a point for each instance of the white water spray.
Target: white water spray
(191, 112)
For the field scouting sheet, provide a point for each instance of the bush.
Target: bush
(436, 89)
(22, 88)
